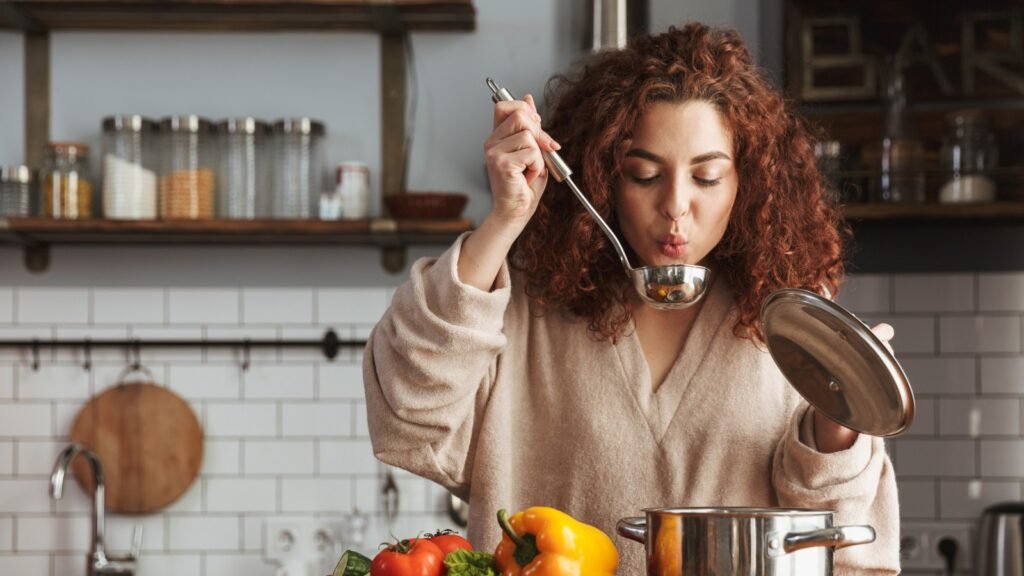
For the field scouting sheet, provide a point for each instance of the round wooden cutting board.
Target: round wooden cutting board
(149, 441)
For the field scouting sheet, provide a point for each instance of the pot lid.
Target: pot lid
(837, 363)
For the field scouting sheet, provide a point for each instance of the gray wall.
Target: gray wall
(334, 77)
(12, 101)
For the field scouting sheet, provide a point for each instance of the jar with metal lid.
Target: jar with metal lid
(244, 169)
(16, 191)
(66, 186)
(187, 168)
(968, 155)
(299, 167)
(129, 168)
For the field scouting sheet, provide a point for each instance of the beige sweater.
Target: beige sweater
(508, 409)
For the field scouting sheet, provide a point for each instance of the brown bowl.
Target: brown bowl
(428, 205)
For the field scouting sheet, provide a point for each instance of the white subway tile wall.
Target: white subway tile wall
(285, 439)
(288, 438)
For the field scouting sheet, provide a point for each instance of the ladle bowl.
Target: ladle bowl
(670, 287)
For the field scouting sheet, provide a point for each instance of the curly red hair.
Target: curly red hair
(782, 233)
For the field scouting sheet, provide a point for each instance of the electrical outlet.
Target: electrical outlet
(914, 546)
(961, 534)
(919, 545)
(303, 540)
(282, 539)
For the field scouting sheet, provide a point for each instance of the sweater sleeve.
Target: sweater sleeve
(858, 484)
(428, 367)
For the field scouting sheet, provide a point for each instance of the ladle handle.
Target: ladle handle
(561, 171)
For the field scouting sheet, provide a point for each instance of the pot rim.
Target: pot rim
(739, 511)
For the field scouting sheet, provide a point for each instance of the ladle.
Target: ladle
(669, 287)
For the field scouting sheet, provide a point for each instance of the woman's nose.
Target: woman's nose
(676, 201)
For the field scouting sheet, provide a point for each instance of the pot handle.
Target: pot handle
(634, 528)
(836, 537)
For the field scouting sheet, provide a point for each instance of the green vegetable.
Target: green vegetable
(352, 563)
(466, 563)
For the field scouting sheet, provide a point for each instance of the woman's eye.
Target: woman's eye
(644, 180)
(706, 182)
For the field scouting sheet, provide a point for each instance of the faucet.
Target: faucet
(99, 564)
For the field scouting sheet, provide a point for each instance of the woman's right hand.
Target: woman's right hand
(515, 167)
(515, 164)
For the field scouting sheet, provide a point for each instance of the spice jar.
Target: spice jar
(15, 191)
(66, 189)
(129, 168)
(299, 167)
(968, 155)
(244, 169)
(187, 173)
(354, 190)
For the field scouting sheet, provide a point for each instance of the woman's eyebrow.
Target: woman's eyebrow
(648, 155)
(708, 157)
(645, 154)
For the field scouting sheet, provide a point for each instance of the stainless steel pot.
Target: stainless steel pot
(740, 541)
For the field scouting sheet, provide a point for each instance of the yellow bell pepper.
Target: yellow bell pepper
(541, 541)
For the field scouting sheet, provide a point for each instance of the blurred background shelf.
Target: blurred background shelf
(891, 212)
(247, 15)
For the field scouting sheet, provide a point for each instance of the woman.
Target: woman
(520, 368)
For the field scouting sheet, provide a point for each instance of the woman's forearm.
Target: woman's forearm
(483, 254)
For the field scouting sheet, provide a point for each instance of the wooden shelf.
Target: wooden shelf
(381, 232)
(37, 235)
(238, 15)
(1004, 211)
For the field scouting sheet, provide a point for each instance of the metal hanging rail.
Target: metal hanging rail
(330, 344)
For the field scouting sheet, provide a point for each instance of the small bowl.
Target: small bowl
(428, 205)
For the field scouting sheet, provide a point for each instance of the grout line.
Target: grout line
(279, 485)
(316, 305)
(892, 293)
(977, 458)
(977, 376)
(977, 292)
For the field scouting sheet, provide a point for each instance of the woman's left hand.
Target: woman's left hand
(830, 436)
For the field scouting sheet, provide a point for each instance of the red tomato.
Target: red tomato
(449, 541)
(412, 557)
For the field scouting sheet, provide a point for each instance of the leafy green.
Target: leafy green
(466, 563)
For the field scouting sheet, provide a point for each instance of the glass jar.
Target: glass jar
(129, 168)
(187, 168)
(244, 183)
(354, 190)
(15, 191)
(901, 157)
(66, 188)
(299, 167)
(832, 160)
(968, 155)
